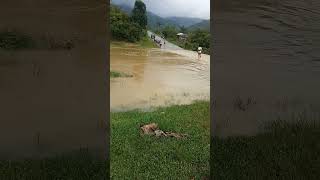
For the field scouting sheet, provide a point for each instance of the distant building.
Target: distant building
(182, 36)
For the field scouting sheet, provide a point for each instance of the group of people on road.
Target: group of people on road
(161, 43)
(158, 41)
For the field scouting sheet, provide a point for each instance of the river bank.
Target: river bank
(143, 43)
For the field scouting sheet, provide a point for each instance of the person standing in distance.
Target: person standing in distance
(199, 52)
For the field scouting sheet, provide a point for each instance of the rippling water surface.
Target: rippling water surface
(288, 30)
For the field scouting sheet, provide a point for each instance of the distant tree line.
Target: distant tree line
(198, 38)
(128, 28)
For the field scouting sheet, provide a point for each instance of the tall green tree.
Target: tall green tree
(122, 28)
(139, 14)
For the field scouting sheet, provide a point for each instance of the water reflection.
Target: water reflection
(267, 50)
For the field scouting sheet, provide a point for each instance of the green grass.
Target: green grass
(148, 157)
(285, 151)
(75, 166)
(145, 42)
(115, 74)
(114, 43)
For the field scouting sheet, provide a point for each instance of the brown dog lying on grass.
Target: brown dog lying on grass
(153, 129)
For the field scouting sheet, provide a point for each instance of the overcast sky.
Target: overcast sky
(180, 8)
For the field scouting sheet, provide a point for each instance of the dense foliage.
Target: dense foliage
(126, 28)
(198, 38)
(122, 28)
(139, 14)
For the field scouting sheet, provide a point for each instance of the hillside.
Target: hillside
(184, 21)
(154, 20)
(125, 8)
(203, 25)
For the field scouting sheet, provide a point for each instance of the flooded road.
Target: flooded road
(161, 77)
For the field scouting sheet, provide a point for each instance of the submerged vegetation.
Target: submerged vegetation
(143, 43)
(149, 157)
(16, 40)
(115, 74)
(285, 151)
(147, 43)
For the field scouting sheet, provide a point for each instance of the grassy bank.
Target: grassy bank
(143, 43)
(75, 166)
(144, 157)
(284, 152)
(116, 74)
(147, 43)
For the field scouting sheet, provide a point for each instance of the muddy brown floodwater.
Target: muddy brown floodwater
(53, 101)
(267, 55)
(161, 77)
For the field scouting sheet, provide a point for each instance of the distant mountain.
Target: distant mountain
(184, 21)
(125, 8)
(203, 25)
(154, 20)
